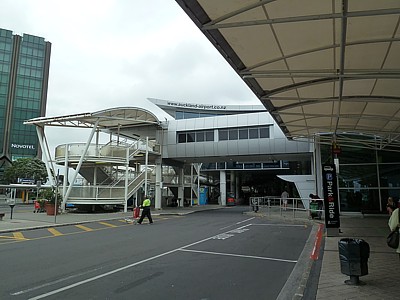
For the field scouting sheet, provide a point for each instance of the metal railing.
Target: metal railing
(296, 207)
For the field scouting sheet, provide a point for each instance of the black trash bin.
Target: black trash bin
(353, 254)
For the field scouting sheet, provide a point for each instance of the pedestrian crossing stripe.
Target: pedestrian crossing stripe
(108, 224)
(19, 236)
(84, 227)
(54, 231)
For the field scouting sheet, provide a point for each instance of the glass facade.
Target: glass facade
(24, 68)
(367, 177)
(5, 68)
(28, 96)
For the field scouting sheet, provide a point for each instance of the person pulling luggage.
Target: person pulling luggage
(146, 210)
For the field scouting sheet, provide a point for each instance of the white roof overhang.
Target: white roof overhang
(109, 119)
(320, 67)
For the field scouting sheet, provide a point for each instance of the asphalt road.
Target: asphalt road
(219, 254)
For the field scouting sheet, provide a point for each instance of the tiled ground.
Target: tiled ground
(383, 279)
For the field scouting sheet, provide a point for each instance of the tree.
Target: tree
(30, 168)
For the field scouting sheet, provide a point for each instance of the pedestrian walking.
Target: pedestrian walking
(390, 206)
(146, 210)
(284, 197)
(394, 223)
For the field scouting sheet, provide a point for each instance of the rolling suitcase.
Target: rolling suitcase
(136, 212)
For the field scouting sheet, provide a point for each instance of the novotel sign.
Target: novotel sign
(20, 146)
(331, 199)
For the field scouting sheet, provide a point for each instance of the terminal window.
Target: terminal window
(243, 133)
(195, 136)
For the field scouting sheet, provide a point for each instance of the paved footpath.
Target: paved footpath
(382, 281)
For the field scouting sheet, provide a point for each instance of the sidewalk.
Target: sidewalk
(382, 281)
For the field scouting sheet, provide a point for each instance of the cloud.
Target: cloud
(114, 53)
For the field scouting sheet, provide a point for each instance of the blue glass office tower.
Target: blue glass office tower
(24, 74)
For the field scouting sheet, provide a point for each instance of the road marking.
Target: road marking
(222, 236)
(7, 237)
(113, 271)
(247, 220)
(317, 243)
(83, 227)
(108, 224)
(240, 255)
(54, 231)
(183, 248)
(19, 236)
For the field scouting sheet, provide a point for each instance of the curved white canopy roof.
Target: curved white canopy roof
(111, 119)
(318, 66)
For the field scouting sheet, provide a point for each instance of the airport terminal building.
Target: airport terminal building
(195, 154)
(202, 153)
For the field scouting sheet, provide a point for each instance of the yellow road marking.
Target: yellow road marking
(7, 237)
(84, 227)
(19, 236)
(108, 224)
(54, 231)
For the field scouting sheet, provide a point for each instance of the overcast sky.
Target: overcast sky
(113, 53)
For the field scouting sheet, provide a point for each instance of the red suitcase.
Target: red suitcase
(136, 212)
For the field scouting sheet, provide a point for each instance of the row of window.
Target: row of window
(31, 94)
(29, 61)
(245, 133)
(246, 165)
(192, 115)
(6, 57)
(4, 33)
(23, 81)
(4, 78)
(242, 133)
(196, 136)
(27, 104)
(5, 46)
(32, 40)
(3, 90)
(32, 51)
(4, 66)
(32, 72)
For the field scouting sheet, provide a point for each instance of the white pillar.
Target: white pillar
(317, 167)
(158, 191)
(181, 186)
(237, 187)
(146, 165)
(222, 187)
(126, 180)
(232, 183)
(65, 182)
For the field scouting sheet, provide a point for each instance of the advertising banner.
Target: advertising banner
(331, 200)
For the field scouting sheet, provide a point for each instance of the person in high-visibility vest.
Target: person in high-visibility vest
(146, 210)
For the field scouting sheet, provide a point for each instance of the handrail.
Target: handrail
(299, 207)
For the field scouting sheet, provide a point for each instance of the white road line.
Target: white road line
(247, 220)
(239, 255)
(149, 259)
(114, 271)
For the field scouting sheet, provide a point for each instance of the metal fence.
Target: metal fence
(296, 207)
